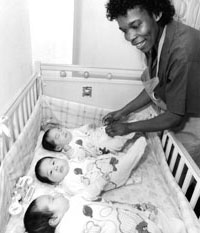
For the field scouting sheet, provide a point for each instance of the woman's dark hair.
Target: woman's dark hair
(48, 144)
(43, 179)
(116, 8)
(36, 221)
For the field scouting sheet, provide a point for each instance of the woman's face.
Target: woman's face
(139, 28)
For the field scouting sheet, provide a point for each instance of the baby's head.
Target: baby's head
(51, 170)
(45, 213)
(56, 139)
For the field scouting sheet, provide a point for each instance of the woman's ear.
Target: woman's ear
(157, 17)
(53, 221)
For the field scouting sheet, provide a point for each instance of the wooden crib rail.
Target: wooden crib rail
(17, 115)
(65, 71)
(184, 169)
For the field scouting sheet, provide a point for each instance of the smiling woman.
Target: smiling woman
(171, 80)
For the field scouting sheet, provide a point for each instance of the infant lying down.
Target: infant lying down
(60, 215)
(93, 175)
(91, 139)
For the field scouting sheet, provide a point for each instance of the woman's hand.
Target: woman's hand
(117, 128)
(112, 117)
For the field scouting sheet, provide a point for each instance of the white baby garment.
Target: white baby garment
(106, 172)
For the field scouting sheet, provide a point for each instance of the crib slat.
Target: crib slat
(12, 133)
(173, 159)
(187, 181)
(179, 170)
(21, 116)
(25, 110)
(5, 145)
(17, 126)
(30, 101)
(164, 139)
(27, 107)
(34, 93)
(168, 149)
(32, 98)
(195, 196)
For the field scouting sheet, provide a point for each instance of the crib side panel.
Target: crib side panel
(22, 122)
(184, 169)
(100, 87)
(15, 118)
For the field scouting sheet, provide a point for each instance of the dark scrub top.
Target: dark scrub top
(179, 71)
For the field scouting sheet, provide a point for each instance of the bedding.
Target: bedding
(150, 182)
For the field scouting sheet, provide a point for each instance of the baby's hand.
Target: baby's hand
(67, 148)
(92, 126)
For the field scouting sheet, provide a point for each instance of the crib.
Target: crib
(89, 88)
(28, 114)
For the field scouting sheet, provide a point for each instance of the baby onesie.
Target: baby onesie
(94, 141)
(106, 172)
(100, 217)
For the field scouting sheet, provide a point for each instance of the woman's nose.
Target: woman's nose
(130, 35)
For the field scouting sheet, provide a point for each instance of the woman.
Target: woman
(172, 79)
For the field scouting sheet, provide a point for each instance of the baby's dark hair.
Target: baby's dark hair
(36, 221)
(116, 8)
(48, 144)
(43, 179)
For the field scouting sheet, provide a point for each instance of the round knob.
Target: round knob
(63, 74)
(86, 74)
(109, 75)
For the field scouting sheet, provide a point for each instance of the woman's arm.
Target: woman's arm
(139, 102)
(161, 122)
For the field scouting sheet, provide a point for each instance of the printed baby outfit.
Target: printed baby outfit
(94, 141)
(100, 217)
(106, 172)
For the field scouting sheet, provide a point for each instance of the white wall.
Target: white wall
(51, 23)
(15, 50)
(99, 42)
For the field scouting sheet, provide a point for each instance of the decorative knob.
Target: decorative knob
(86, 74)
(63, 74)
(109, 75)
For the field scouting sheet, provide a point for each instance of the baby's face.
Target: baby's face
(60, 136)
(55, 169)
(57, 204)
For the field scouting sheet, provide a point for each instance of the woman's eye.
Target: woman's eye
(136, 26)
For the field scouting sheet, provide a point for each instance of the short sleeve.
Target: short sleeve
(176, 87)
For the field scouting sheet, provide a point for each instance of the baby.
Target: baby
(48, 214)
(92, 176)
(89, 138)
